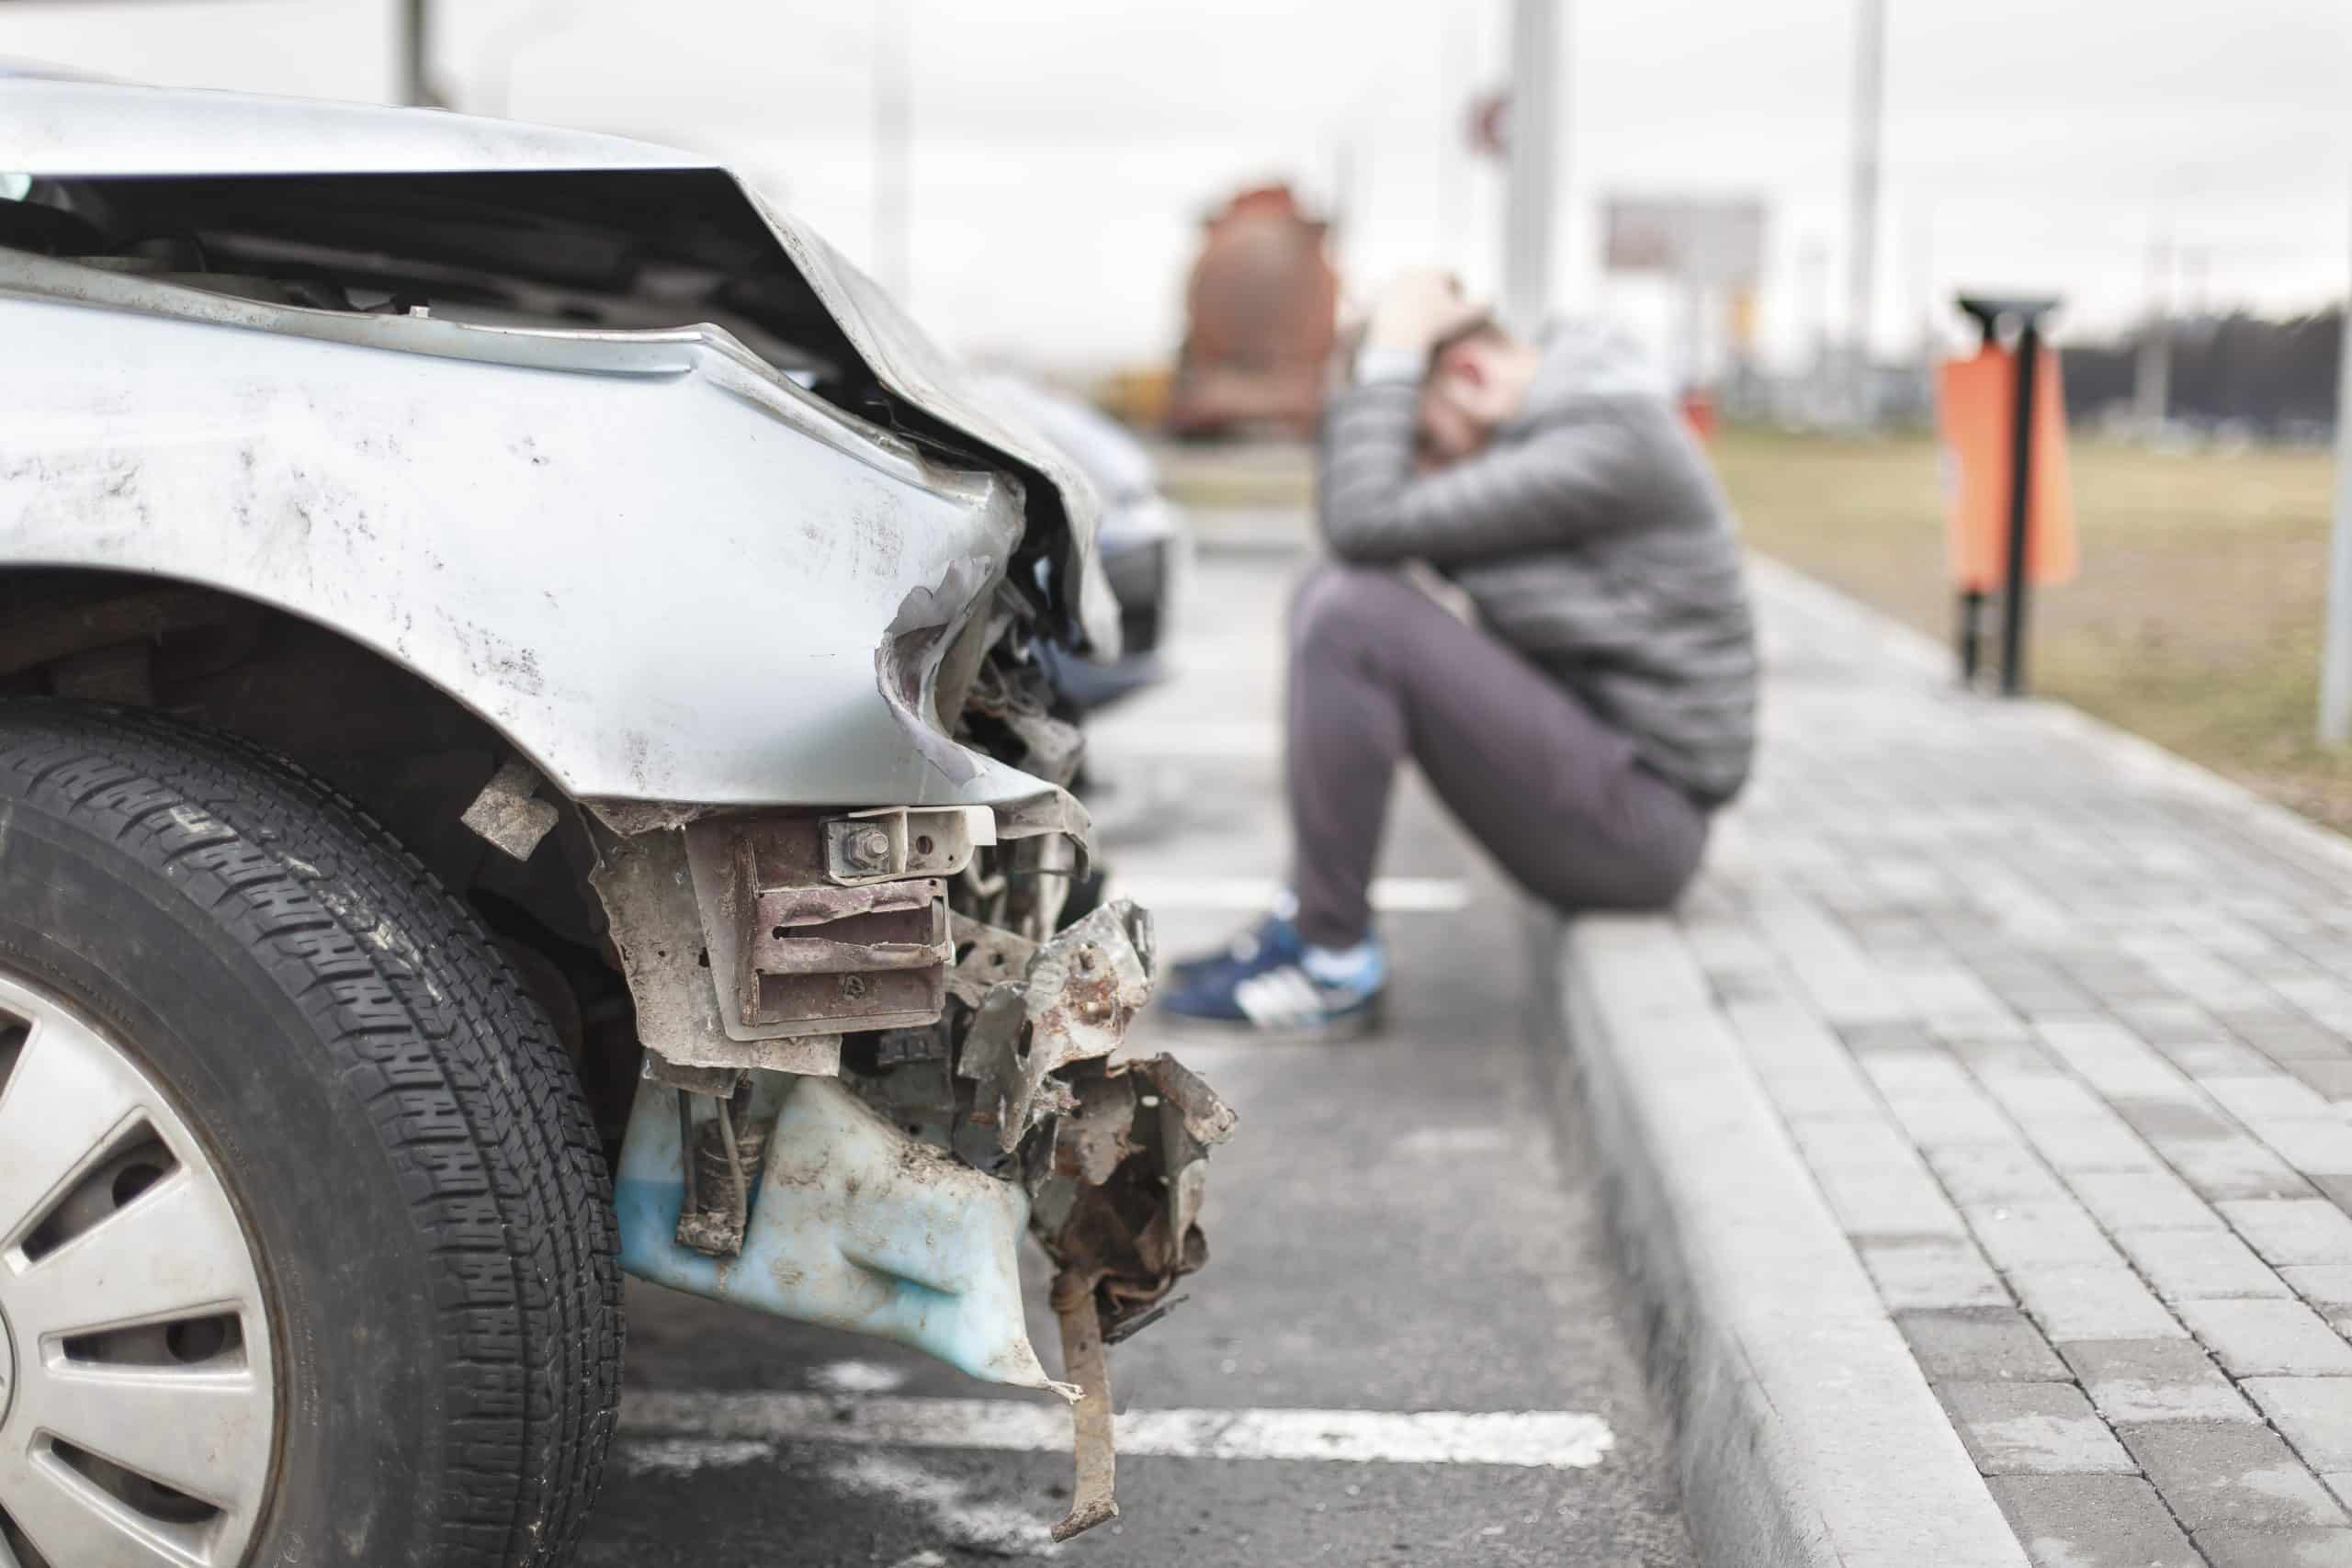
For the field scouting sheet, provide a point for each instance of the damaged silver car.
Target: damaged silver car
(516, 664)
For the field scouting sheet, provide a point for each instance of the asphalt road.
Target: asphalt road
(1393, 1229)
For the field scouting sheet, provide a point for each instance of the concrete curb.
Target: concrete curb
(1806, 1436)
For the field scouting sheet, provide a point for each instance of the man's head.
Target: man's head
(1477, 383)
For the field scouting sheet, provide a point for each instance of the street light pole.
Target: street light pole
(892, 148)
(1455, 69)
(416, 55)
(1870, 116)
(2335, 654)
(2152, 367)
(1531, 179)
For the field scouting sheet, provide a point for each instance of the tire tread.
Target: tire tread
(478, 1108)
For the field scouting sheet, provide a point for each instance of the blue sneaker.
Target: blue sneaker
(1272, 939)
(1270, 981)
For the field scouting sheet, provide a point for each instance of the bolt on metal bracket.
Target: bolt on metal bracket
(894, 842)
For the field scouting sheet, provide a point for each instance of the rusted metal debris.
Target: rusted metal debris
(748, 934)
(1118, 1211)
(1117, 1203)
(1111, 1153)
(792, 952)
(508, 812)
(1136, 1232)
(721, 1168)
(1081, 992)
(991, 956)
(1086, 1362)
(645, 886)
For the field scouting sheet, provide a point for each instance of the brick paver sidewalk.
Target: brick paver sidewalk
(2064, 1032)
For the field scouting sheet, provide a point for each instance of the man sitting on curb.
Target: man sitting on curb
(1583, 730)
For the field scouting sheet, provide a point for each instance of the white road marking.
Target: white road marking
(992, 1528)
(685, 1456)
(1542, 1439)
(1390, 895)
(857, 1377)
(1451, 1141)
(997, 1529)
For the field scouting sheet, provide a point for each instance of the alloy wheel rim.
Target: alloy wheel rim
(7, 1369)
(138, 1409)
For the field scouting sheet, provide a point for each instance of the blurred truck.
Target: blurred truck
(1261, 311)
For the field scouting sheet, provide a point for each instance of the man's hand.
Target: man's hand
(1418, 309)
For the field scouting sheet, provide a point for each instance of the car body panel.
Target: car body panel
(91, 129)
(744, 582)
(911, 366)
(660, 568)
(75, 128)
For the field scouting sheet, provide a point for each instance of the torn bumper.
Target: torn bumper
(853, 1225)
(859, 1090)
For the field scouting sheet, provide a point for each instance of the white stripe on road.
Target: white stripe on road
(1543, 1440)
(945, 1504)
(857, 1377)
(1452, 1142)
(1251, 895)
(949, 1504)
(690, 1456)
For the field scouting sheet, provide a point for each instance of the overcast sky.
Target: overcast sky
(1064, 150)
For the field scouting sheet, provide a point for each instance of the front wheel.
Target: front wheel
(306, 1242)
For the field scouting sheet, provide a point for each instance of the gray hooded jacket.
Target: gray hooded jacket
(1589, 534)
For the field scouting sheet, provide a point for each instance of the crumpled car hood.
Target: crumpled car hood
(916, 369)
(64, 128)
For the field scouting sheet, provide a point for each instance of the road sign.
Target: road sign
(1701, 241)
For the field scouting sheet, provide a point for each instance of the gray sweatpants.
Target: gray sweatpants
(1379, 671)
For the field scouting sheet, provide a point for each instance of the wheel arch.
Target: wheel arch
(409, 752)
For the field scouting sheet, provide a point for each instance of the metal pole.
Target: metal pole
(1455, 69)
(2152, 368)
(2014, 587)
(1815, 288)
(2335, 654)
(1341, 211)
(1694, 332)
(1971, 635)
(1870, 116)
(416, 55)
(1970, 628)
(1532, 182)
(893, 175)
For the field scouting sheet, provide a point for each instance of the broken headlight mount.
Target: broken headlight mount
(884, 1046)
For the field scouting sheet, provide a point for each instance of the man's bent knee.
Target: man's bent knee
(1338, 606)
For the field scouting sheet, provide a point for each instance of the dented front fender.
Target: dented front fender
(657, 565)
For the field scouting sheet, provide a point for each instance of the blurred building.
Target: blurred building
(1261, 311)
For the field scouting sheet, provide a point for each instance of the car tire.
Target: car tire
(312, 1026)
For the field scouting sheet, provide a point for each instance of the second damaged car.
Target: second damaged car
(517, 664)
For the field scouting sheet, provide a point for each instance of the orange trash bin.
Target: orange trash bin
(1976, 416)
